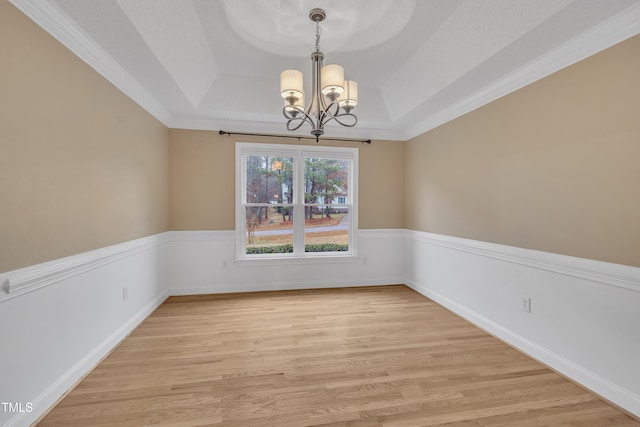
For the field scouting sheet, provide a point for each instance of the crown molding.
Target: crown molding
(47, 15)
(52, 19)
(616, 29)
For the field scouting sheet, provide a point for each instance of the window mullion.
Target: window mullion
(241, 185)
(352, 232)
(298, 210)
(249, 166)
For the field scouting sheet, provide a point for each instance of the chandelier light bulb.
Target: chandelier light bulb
(291, 84)
(332, 80)
(349, 98)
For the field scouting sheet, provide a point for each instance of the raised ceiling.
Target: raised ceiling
(207, 64)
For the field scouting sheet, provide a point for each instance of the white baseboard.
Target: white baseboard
(228, 288)
(62, 317)
(597, 384)
(153, 268)
(52, 394)
(467, 269)
(476, 280)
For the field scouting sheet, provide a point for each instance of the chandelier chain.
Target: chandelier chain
(317, 36)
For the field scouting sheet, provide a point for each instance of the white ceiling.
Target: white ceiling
(215, 64)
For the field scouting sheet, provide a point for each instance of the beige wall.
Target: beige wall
(203, 180)
(554, 166)
(81, 165)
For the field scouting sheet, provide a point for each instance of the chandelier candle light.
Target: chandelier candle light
(330, 92)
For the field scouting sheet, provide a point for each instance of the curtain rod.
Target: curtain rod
(271, 135)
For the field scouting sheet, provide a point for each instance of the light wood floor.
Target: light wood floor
(383, 356)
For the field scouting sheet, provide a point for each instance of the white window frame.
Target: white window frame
(298, 153)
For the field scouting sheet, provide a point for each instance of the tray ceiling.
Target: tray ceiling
(206, 64)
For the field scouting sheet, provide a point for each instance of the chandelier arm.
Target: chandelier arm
(296, 127)
(293, 111)
(301, 119)
(337, 119)
(336, 105)
(325, 116)
(298, 122)
(328, 114)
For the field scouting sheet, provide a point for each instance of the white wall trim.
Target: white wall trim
(284, 286)
(193, 264)
(24, 280)
(618, 275)
(614, 30)
(261, 261)
(205, 262)
(599, 385)
(51, 394)
(48, 15)
(95, 279)
(541, 269)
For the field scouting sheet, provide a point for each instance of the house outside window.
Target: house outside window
(295, 201)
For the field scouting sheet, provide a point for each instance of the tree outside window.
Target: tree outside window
(294, 202)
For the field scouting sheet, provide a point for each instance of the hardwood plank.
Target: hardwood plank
(376, 356)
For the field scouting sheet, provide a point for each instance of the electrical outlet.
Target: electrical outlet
(364, 259)
(125, 293)
(525, 304)
(225, 265)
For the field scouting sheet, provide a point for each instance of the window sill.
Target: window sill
(277, 261)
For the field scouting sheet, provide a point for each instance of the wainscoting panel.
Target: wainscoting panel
(59, 319)
(584, 318)
(204, 262)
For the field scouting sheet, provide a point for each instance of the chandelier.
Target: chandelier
(332, 97)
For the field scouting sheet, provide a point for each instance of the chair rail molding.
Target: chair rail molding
(28, 279)
(582, 320)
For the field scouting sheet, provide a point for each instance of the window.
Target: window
(295, 201)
